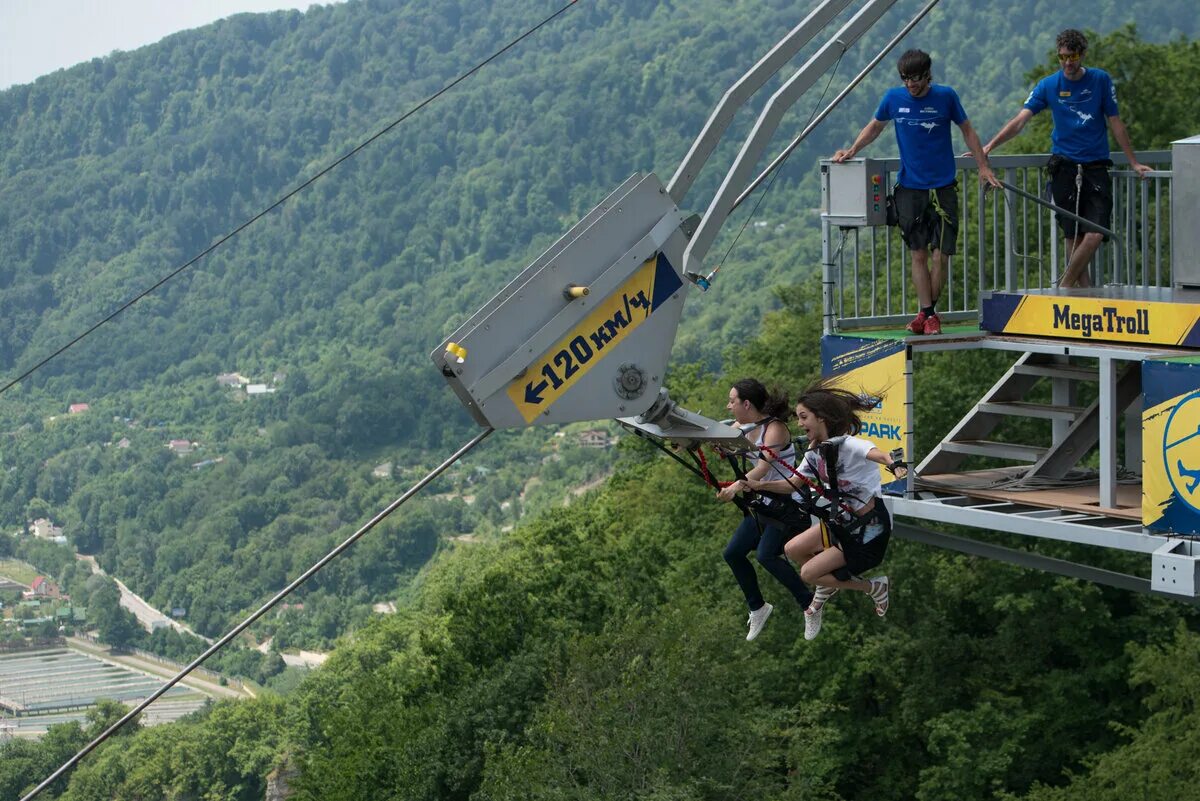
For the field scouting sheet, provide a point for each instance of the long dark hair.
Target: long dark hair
(771, 403)
(838, 407)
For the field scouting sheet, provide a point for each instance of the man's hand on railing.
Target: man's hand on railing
(1140, 169)
(988, 179)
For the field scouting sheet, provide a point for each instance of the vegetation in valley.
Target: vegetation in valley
(538, 651)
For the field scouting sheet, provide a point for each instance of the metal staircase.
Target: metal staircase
(1075, 429)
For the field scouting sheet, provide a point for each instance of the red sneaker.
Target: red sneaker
(933, 325)
(917, 324)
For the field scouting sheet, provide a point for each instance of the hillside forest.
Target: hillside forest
(539, 649)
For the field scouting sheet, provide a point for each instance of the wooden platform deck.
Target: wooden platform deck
(1083, 499)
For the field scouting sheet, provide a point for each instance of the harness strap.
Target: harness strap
(812, 485)
(942, 215)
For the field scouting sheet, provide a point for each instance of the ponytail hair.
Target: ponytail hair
(772, 403)
(839, 408)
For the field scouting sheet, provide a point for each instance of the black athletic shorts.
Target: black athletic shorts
(1095, 201)
(921, 224)
(862, 556)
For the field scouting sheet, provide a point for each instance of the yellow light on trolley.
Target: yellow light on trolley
(457, 351)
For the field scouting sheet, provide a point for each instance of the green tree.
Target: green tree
(115, 625)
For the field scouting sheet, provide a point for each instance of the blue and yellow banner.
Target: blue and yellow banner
(874, 367)
(1088, 318)
(1171, 446)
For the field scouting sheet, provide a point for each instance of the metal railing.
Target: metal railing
(1006, 242)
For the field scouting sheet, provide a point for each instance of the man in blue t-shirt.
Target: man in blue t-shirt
(925, 193)
(1080, 100)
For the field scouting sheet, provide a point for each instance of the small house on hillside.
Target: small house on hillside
(77, 408)
(259, 389)
(44, 529)
(43, 587)
(232, 380)
(181, 447)
(594, 439)
(382, 470)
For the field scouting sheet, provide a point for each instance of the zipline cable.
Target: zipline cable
(239, 628)
(288, 196)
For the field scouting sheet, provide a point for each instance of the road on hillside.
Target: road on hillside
(146, 614)
(304, 659)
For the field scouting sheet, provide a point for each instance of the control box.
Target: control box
(853, 193)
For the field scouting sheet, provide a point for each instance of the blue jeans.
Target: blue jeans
(768, 548)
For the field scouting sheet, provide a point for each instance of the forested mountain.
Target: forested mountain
(594, 652)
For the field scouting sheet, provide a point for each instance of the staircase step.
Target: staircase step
(1023, 409)
(1013, 451)
(1069, 371)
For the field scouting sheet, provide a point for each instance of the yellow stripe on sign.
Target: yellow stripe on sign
(570, 359)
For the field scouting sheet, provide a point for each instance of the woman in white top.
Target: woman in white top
(752, 405)
(833, 553)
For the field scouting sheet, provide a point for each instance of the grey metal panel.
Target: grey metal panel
(1185, 211)
(569, 313)
(1064, 531)
(1176, 567)
(524, 328)
(1026, 559)
(1107, 425)
(1040, 410)
(1048, 346)
(550, 253)
(998, 450)
(537, 297)
(1064, 371)
(856, 195)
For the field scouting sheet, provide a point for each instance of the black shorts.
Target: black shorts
(1095, 201)
(862, 556)
(922, 225)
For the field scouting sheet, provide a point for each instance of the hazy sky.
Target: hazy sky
(41, 36)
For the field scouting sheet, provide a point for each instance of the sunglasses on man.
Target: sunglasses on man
(1067, 58)
(914, 78)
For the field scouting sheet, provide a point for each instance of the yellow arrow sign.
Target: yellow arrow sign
(612, 321)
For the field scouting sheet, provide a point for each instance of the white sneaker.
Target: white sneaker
(758, 619)
(813, 615)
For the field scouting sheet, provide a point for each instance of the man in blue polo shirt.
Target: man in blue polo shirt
(1080, 100)
(925, 191)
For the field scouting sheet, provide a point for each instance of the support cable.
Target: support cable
(819, 118)
(279, 596)
(709, 278)
(354, 151)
